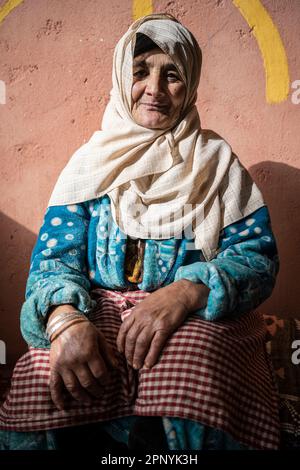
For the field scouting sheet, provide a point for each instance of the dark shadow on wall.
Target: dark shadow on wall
(16, 246)
(280, 185)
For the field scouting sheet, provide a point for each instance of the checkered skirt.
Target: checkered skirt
(217, 373)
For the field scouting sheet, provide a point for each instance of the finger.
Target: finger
(88, 381)
(98, 369)
(130, 342)
(156, 347)
(57, 390)
(121, 339)
(142, 345)
(74, 388)
(106, 355)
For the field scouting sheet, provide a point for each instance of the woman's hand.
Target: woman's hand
(80, 361)
(145, 331)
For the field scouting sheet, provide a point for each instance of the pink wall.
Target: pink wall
(56, 64)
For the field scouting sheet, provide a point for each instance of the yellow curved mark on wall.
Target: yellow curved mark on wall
(271, 47)
(8, 7)
(264, 30)
(141, 8)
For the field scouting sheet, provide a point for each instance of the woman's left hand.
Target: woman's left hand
(145, 331)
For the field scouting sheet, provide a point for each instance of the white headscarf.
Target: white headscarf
(160, 182)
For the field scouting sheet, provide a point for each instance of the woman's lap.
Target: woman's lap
(204, 368)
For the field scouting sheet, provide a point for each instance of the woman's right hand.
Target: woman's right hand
(80, 361)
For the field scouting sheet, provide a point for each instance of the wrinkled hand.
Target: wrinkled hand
(80, 361)
(145, 331)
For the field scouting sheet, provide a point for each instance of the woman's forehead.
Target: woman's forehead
(154, 57)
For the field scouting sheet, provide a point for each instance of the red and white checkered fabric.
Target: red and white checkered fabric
(217, 373)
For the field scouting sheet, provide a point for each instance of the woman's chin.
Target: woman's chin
(154, 122)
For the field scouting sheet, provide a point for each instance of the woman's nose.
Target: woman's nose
(154, 85)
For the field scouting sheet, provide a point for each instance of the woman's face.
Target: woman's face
(157, 92)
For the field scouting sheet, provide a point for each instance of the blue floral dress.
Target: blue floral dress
(79, 247)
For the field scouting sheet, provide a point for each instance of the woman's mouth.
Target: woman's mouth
(155, 107)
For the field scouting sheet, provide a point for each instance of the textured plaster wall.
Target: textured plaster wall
(55, 62)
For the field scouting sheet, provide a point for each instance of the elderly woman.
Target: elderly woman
(154, 252)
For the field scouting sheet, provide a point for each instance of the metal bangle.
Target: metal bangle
(56, 327)
(71, 323)
(61, 315)
(53, 328)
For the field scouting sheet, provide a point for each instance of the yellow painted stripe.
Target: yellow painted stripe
(8, 7)
(141, 8)
(271, 47)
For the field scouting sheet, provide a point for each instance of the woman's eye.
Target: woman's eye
(139, 73)
(172, 77)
